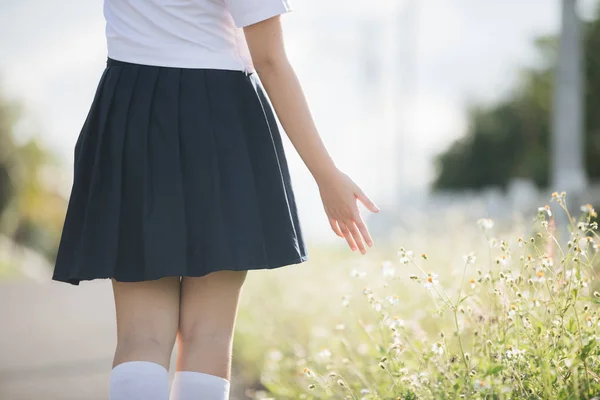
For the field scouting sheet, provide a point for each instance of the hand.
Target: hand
(340, 194)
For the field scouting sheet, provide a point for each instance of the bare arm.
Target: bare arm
(265, 40)
(338, 192)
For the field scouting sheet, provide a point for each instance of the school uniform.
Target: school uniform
(179, 167)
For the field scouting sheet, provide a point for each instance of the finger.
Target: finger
(348, 236)
(356, 236)
(360, 195)
(363, 230)
(335, 227)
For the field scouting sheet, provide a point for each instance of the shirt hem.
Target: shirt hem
(202, 61)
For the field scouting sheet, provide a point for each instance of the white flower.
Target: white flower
(470, 258)
(571, 273)
(431, 280)
(275, 355)
(547, 262)
(502, 260)
(587, 208)
(437, 348)
(404, 255)
(583, 226)
(392, 299)
(388, 270)
(545, 210)
(345, 301)
(394, 322)
(325, 354)
(583, 243)
(514, 352)
(357, 274)
(540, 275)
(485, 223)
(481, 384)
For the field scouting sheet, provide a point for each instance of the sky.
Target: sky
(388, 81)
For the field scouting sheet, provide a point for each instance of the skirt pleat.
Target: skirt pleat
(131, 243)
(178, 172)
(237, 184)
(206, 243)
(163, 207)
(267, 158)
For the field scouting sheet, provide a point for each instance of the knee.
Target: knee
(145, 343)
(205, 341)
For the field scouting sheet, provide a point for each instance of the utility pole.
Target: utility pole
(567, 162)
(404, 96)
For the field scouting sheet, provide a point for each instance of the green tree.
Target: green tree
(8, 118)
(31, 209)
(511, 138)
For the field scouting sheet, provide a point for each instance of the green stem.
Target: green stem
(462, 282)
(462, 351)
(587, 377)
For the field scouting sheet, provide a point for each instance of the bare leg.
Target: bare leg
(207, 319)
(147, 320)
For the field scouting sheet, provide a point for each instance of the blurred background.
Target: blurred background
(439, 109)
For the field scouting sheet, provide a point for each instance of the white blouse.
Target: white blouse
(185, 33)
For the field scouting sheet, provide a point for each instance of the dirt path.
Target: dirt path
(56, 341)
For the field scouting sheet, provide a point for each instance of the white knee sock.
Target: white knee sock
(188, 385)
(139, 380)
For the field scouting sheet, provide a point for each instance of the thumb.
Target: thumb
(360, 195)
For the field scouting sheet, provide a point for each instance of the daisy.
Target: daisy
(485, 224)
(437, 348)
(431, 280)
(470, 258)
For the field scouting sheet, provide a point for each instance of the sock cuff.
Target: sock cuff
(139, 380)
(194, 376)
(141, 366)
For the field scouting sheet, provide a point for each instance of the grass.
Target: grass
(8, 270)
(475, 313)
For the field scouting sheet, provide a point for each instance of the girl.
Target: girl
(181, 184)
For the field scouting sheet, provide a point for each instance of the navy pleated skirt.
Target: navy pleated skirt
(178, 172)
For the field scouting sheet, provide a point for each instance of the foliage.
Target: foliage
(8, 118)
(511, 139)
(520, 318)
(31, 209)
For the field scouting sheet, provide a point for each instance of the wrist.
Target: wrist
(324, 176)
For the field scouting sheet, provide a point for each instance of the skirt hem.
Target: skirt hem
(75, 280)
